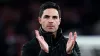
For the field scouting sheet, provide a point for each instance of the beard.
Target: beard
(50, 29)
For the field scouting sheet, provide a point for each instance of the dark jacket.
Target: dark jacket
(57, 46)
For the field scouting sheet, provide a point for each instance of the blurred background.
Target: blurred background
(18, 20)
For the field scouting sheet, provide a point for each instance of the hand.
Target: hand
(71, 42)
(42, 42)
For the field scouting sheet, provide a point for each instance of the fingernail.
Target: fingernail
(75, 32)
(35, 30)
(70, 32)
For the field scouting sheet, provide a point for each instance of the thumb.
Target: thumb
(37, 33)
(42, 37)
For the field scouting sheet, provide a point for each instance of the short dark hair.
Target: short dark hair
(47, 5)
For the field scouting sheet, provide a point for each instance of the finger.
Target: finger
(38, 36)
(72, 45)
(75, 35)
(70, 35)
(37, 33)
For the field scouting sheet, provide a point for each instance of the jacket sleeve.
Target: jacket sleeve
(31, 49)
(75, 51)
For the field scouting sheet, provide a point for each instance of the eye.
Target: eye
(55, 17)
(46, 16)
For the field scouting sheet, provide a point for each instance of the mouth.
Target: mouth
(50, 27)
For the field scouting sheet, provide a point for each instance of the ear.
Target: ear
(59, 21)
(39, 20)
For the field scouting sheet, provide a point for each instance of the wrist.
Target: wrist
(69, 52)
(47, 50)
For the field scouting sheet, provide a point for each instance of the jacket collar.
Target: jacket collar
(48, 36)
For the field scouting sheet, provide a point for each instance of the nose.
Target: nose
(50, 20)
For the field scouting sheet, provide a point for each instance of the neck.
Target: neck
(54, 34)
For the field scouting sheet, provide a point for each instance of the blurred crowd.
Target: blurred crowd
(19, 19)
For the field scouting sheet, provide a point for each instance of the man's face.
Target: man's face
(50, 20)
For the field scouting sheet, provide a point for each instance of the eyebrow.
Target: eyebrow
(47, 15)
(55, 16)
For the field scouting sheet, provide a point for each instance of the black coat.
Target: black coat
(57, 47)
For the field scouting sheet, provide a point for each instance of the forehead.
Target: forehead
(50, 11)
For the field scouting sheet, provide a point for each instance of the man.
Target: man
(49, 40)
